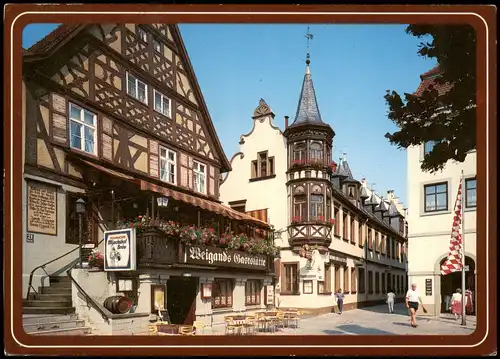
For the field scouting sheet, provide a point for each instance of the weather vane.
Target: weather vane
(308, 36)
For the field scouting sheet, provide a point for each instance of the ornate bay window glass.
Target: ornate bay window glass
(316, 152)
(299, 153)
(300, 207)
(317, 207)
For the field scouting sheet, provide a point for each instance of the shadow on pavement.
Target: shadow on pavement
(333, 332)
(356, 329)
(399, 309)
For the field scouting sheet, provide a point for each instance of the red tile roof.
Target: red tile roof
(53, 38)
(428, 79)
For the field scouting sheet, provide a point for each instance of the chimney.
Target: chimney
(286, 122)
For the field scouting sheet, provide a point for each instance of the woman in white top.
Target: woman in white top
(390, 300)
(456, 303)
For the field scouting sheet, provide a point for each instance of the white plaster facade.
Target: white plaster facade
(429, 233)
(272, 193)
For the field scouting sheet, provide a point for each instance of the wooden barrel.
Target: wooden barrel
(118, 304)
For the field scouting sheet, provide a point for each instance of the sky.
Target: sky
(352, 66)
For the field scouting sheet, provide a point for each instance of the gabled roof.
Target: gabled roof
(64, 32)
(428, 79)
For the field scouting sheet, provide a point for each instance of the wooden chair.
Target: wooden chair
(153, 329)
(187, 330)
(230, 327)
(251, 324)
(295, 319)
(280, 320)
(199, 325)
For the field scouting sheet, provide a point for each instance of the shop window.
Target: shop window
(253, 292)
(325, 287)
(200, 177)
(307, 287)
(290, 278)
(353, 280)
(377, 282)
(82, 129)
(222, 293)
(346, 280)
(90, 220)
(361, 280)
(370, 282)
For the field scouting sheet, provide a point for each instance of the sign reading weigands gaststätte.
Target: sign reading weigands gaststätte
(220, 257)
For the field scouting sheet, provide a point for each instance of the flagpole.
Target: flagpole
(462, 230)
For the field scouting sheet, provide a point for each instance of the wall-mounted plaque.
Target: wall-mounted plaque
(428, 287)
(206, 290)
(269, 295)
(42, 208)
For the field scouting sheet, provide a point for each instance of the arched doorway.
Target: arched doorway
(452, 281)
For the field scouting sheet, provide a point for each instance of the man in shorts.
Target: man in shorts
(412, 300)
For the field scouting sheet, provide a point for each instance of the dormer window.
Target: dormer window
(351, 192)
(263, 166)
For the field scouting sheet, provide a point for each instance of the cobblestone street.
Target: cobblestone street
(376, 321)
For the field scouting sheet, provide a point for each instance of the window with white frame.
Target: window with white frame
(436, 197)
(82, 129)
(167, 165)
(200, 177)
(142, 34)
(162, 104)
(470, 192)
(136, 88)
(156, 45)
(428, 146)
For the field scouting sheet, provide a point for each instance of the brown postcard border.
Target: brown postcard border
(482, 341)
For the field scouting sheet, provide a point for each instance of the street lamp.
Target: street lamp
(80, 210)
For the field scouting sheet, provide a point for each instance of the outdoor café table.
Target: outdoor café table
(238, 321)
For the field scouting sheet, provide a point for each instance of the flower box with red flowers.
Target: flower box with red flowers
(96, 260)
(296, 220)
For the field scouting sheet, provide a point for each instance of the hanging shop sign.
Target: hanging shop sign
(120, 250)
(219, 257)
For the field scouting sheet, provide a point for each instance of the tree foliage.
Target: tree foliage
(447, 118)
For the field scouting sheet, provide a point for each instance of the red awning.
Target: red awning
(202, 203)
(110, 171)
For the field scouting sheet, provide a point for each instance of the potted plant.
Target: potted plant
(96, 260)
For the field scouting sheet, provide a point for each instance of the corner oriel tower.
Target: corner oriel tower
(309, 146)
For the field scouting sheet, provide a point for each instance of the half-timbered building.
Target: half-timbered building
(334, 232)
(114, 120)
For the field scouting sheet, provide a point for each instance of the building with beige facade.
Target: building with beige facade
(431, 200)
(333, 231)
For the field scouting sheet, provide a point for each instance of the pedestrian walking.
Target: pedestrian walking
(456, 303)
(390, 300)
(412, 300)
(340, 299)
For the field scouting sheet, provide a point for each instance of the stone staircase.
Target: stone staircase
(50, 312)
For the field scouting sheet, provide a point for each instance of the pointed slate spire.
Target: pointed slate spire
(307, 109)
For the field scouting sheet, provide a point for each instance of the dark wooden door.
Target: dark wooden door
(181, 299)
